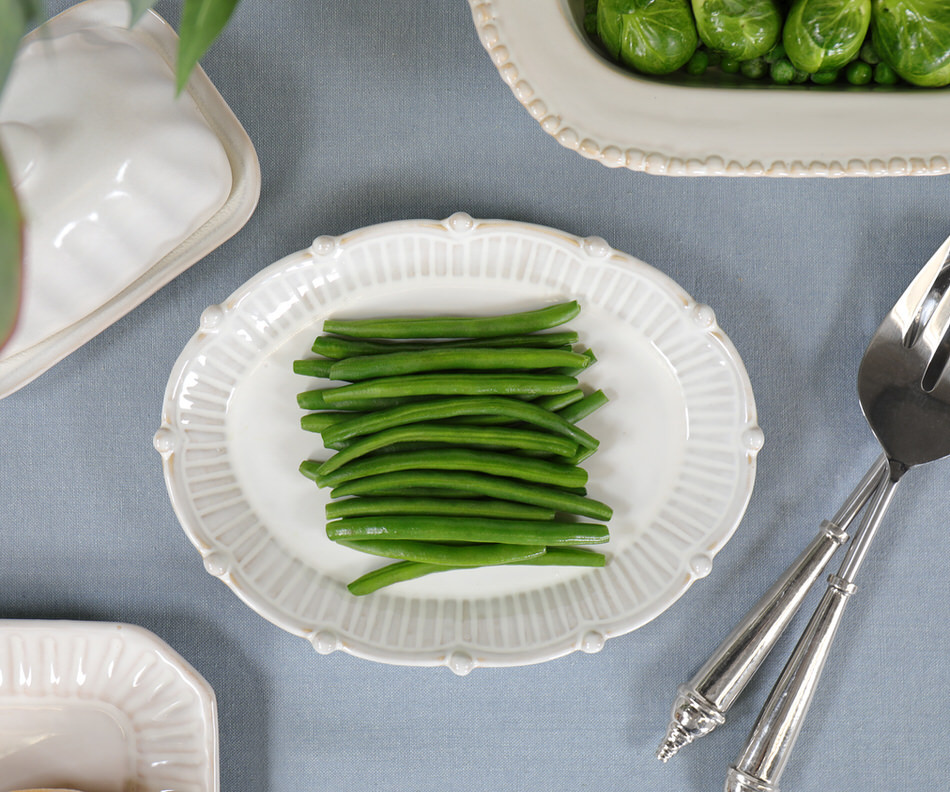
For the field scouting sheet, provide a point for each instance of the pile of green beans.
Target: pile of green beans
(456, 442)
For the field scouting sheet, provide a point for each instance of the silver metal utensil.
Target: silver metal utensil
(702, 703)
(905, 397)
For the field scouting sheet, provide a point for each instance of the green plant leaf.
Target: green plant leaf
(201, 23)
(11, 254)
(15, 17)
(138, 9)
(13, 21)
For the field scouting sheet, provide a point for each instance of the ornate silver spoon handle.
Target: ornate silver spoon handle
(760, 765)
(702, 702)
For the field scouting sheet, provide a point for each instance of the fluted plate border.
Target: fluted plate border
(162, 707)
(605, 113)
(682, 429)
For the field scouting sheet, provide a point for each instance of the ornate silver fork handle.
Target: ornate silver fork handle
(760, 765)
(702, 703)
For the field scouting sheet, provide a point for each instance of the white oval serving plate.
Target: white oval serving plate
(124, 186)
(103, 707)
(606, 113)
(677, 460)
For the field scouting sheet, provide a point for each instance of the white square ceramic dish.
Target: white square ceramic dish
(609, 114)
(102, 707)
(123, 186)
(677, 457)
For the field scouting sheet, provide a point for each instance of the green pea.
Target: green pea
(824, 77)
(754, 69)
(698, 64)
(858, 73)
(885, 75)
(729, 65)
(782, 72)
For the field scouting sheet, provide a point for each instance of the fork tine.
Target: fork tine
(935, 342)
(913, 310)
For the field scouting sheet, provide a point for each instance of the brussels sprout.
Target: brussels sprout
(652, 36)
(913, 37)
(824, 35)
(742, 29)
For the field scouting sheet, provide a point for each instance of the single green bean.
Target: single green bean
(568, 556)
(319, 421)
(314, 400)
(339, 348)
(466, 529)
(395, 448)
(443, 493)
(309, 468)
(448, 555)
(581, 455)
(313, 368)
(478, 484)
(448, 492)
(451, 385)
(390, 574)
(559, 400)
(394, 364)
(574, 412)
(436, 409)
(584, 407)
(554, 403)
(455, 326)
(485, 507)
(591, 359)
(519, 439)
(491, 462)
(409, 570)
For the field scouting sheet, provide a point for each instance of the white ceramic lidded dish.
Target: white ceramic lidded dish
(122, 185)
(104, 707)
(677, 457)
(667, 126)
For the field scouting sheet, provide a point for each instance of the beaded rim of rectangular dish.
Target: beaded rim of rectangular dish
(548, 111)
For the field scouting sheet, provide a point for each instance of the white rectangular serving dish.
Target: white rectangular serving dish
(102, 707)
(116, 284)
(675, 127)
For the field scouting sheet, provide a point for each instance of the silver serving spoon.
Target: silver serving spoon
(904, 391)
(702, 703)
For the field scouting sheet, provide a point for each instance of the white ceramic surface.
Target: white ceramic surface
(123, 186)
(606, 113)
(677, 460)
(102, 708)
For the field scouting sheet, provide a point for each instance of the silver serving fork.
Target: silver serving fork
(916, 322)
(904, 389)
